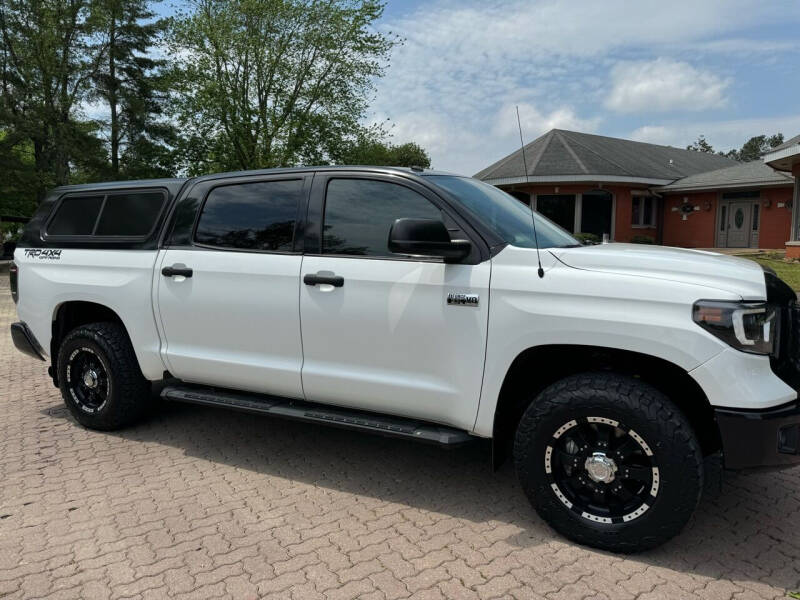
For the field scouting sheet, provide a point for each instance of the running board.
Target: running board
(318, 413)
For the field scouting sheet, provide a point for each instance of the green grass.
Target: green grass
(789, 271)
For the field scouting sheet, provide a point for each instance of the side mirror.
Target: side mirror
(426, 237)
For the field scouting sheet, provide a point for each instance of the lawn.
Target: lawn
(789, 271)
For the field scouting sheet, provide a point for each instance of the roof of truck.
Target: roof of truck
(176, 183)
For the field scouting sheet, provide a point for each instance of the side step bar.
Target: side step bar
(318, 413)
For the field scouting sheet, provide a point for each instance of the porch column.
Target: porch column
(795, 209)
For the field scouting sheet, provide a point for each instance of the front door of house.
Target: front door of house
(739, 214)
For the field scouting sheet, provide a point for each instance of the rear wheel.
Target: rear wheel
(99, 376)
(609, 461)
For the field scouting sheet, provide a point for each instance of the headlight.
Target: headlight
(747, 326)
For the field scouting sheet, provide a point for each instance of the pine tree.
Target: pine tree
(132, 86)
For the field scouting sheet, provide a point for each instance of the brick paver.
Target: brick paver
(204, 503)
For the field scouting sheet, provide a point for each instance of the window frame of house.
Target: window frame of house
(653, 212)
(579, 208)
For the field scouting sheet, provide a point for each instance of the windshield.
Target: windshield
(505, 215)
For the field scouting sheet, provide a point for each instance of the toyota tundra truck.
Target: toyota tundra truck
(422, 305)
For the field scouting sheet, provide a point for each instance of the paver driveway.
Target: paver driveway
(204, 503)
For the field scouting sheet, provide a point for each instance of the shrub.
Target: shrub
(587, 238)
(642, 239)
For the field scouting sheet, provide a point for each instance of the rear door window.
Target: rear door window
(258, 216)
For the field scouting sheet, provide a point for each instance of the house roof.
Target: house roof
(749, 174)
(795, 141)
(564, 156)
(784, 157)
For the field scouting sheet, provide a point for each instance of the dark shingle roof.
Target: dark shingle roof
(569, 153)
(749, 174)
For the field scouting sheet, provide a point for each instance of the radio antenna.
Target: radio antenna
(533, 219)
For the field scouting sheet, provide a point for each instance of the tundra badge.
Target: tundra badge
(463, 299)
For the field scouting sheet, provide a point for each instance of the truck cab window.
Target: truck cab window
(360, 212)
(256, 216)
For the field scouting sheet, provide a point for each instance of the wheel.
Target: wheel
(609, 461)
(99, 377)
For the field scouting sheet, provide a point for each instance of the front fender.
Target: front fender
(578, 307)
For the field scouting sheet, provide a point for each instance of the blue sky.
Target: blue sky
(656, 71)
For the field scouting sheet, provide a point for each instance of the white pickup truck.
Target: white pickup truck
(410, 303)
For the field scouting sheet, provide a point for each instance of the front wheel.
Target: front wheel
(99, 377)
(609, 461)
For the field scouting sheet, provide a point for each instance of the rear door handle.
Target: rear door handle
(176, 270)
(315, 279)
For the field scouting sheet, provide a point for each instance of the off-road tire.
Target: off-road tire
(128, 392)
(639, 407)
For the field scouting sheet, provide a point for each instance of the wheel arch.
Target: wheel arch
(550, 363)
(71, 314)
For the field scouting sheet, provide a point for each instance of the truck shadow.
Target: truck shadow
(745, 528)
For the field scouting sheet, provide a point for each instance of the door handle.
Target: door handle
(176, 270)
(314, 279)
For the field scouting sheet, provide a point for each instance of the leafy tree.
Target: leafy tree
(701, 145)
(373, 150)
(19, 183)
(129, 82)
(260, 83)
(49, 53)
(753, 148)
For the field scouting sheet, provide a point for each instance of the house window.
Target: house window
(644, 211)
(723, 223)
(558, 208)
(756, 206)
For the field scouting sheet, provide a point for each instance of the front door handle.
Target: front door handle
(176, 270)
(316, 279)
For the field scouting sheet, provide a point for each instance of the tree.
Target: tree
(371, 149)
(129, 82)
(753, 148)
(19, 183)
(701, 145)
(260, 83)
(49, 53)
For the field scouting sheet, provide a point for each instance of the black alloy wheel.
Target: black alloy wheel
(602, 470)
(609, 461)
(87, 380)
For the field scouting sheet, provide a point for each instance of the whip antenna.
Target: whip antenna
(533, 219)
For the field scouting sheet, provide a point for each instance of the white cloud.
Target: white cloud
(722, 135)
(664, 85)
(535, 123)
(465, 62)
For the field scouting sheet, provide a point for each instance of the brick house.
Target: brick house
(786, 159)
(602, 185)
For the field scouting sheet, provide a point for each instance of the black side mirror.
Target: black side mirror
(426, 237)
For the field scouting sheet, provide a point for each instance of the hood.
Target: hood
(698, 267)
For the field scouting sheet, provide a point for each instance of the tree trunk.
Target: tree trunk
(112, 96)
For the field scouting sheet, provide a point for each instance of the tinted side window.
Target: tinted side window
(76, 215)
(360, 212)
(251, 216)
(131, 214)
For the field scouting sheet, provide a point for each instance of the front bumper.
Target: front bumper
(758, 439)
(25, 341)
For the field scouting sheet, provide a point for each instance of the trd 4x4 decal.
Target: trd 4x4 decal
(43, 253)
